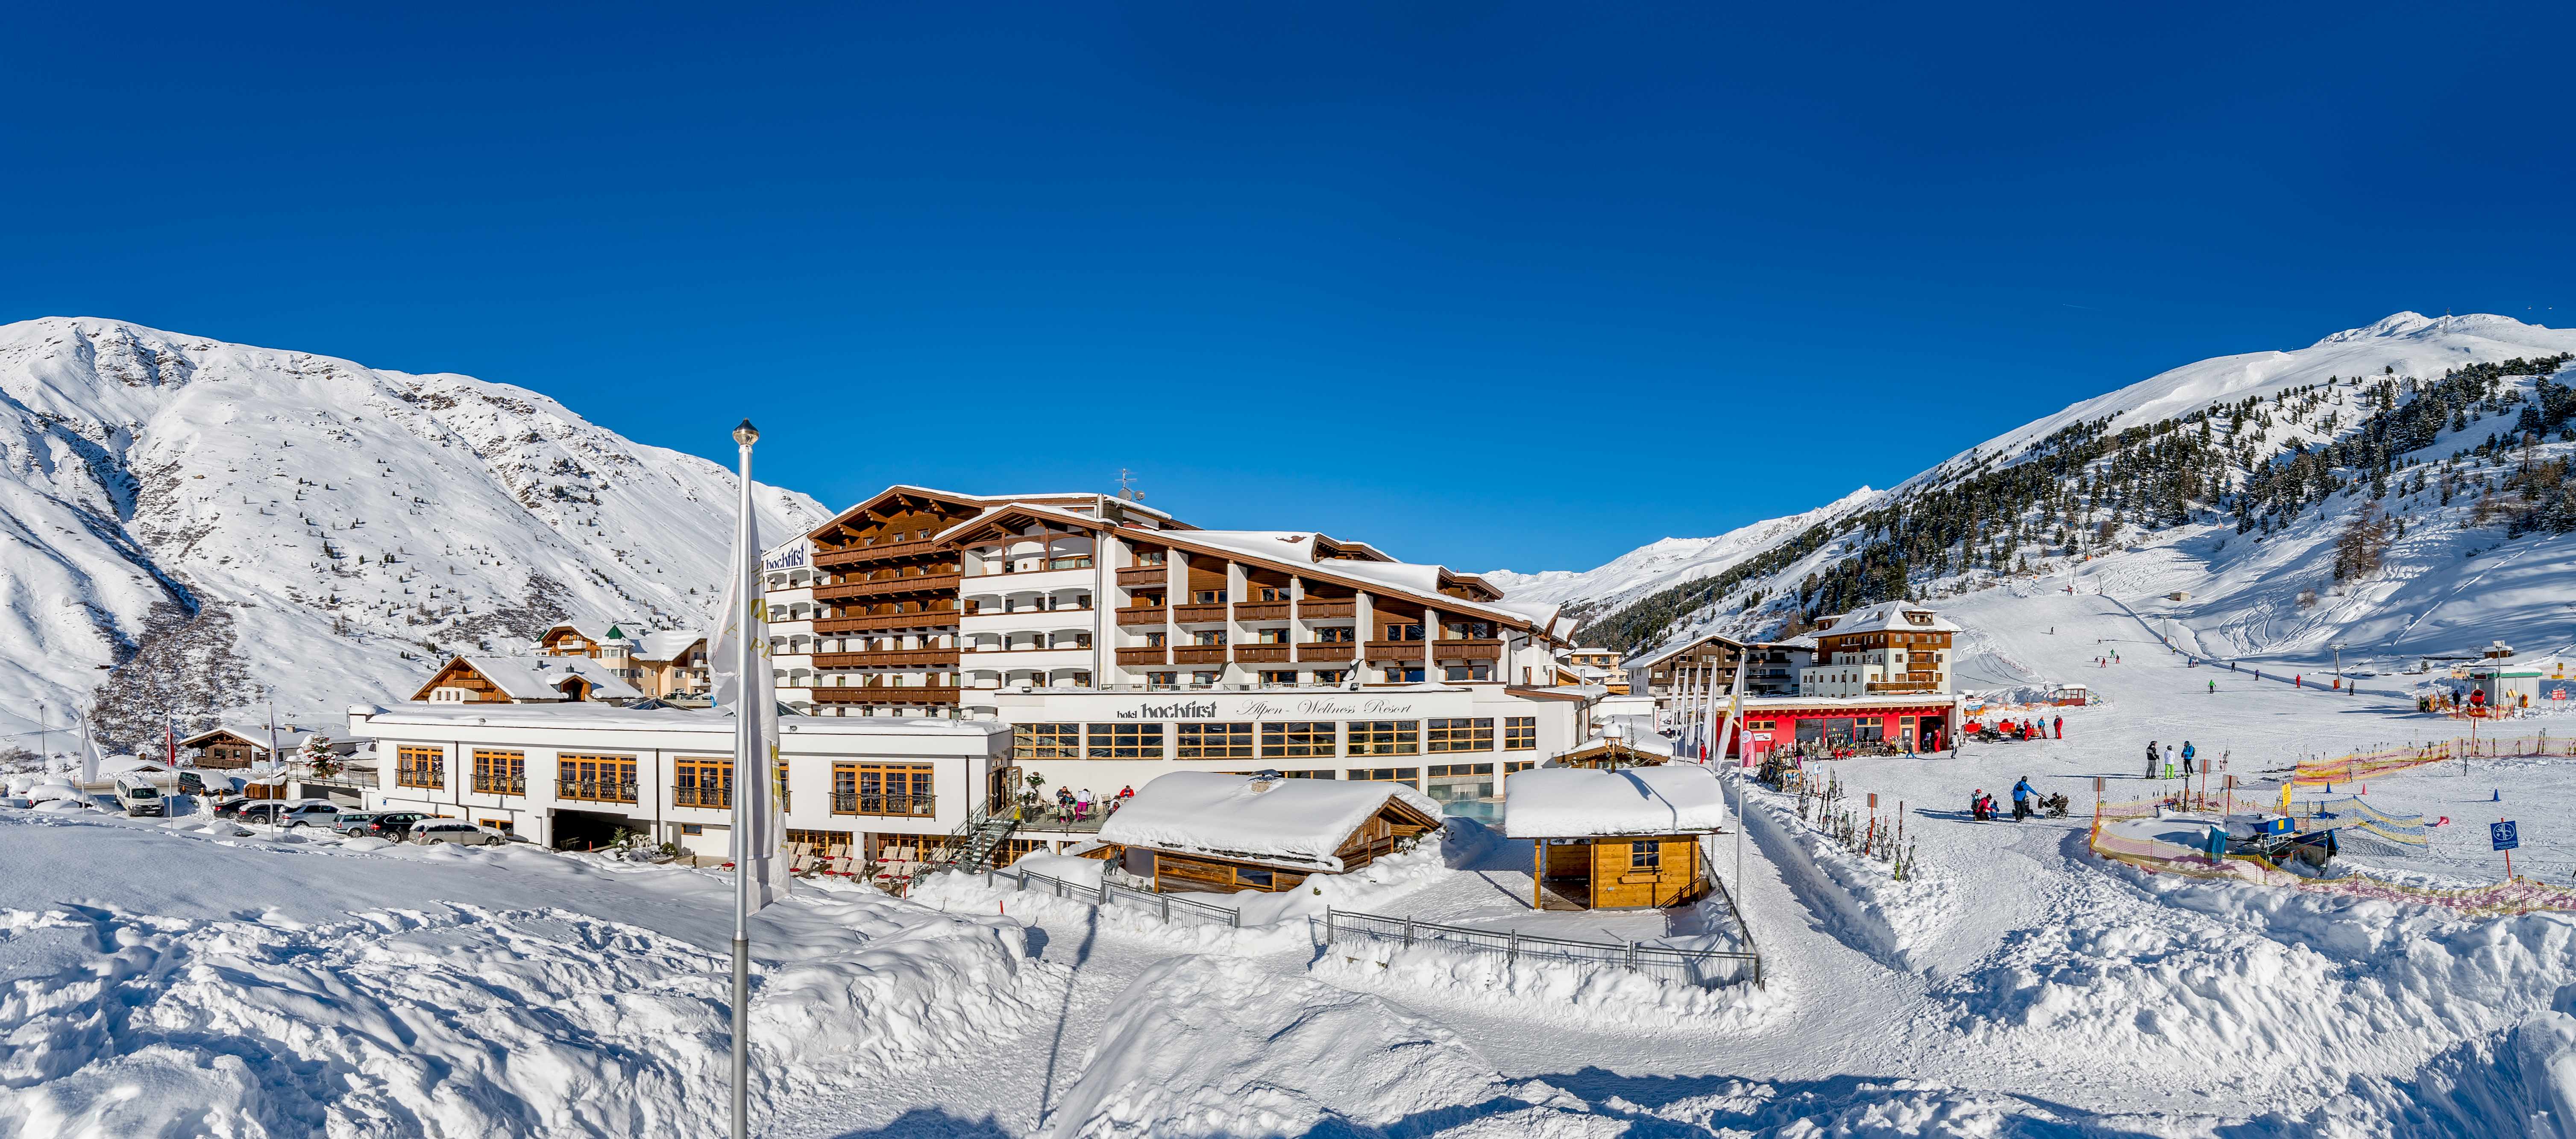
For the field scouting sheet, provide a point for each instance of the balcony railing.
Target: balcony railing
(932, 619)
(595, 790)
(1261, 611)
(1325, 650)
(1313, 610)
(889, 658)
(501, 784)
(878, 694)
(925, 583)
(1198, 654)
(865, 804)
(857, 554)
(1467, 650)
(1260, 654)
(1187, 613)
(1144, 575)
(1899, 686)
(1395, 650)
(1149, 615)
(702, 796)
(1155, 655)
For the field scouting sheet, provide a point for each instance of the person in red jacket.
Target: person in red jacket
(2061, 727)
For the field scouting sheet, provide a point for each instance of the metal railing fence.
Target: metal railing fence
(1704, 968)
(1164, 906)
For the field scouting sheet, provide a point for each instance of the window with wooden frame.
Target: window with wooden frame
(883, 789)
(1279, 676)
(1385, 737)
(1162, 680)
(702, 782)
(1299, 739)
(1409, 776)
(1274, 593)
(1520, 733)
(1125, 740)
(1411, 632)
(420, 767)
(1646, 855)
(1520, 765)
(1335, 635)
(1046, 741)
(1457, 769)
(1215, 741)
(1475, 734)
(500, 772)
(1270, 636)
(595, 778)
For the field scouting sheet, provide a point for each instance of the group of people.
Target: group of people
(2166, 757)
(2030, 729)
(1981, 806)
(1078, 806)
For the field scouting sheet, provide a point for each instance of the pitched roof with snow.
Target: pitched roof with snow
(666, 645)
(542, 678)
(1297, 822)
(1890, 616)
(1563, 802)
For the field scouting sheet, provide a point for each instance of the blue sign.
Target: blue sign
(2503, 835)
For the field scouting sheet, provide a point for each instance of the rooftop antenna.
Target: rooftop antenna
(1127, 486)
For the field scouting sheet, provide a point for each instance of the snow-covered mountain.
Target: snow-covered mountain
(197, 528)
(2230, 480)
(1667, 563)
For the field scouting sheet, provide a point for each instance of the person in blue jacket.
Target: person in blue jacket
(2021, 799)
(2187, 753)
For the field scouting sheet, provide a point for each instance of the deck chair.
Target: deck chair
(800, 857)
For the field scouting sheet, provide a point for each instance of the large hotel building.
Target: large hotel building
(1115, 635)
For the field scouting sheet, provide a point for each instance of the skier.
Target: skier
(2021, 794)
(2061, 727)
(2213, 688)
(2151, 759)
(2187, 753)
(2299, 681)
(2169, 758)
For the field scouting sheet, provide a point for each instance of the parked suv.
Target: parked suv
(354, 822)
(391, 825)
(297, 813)
(457, 831)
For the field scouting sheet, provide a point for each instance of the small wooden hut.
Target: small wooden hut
(1624, 839)
(1210, 831)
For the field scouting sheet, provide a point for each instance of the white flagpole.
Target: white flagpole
(1734, 717)
(746, 759)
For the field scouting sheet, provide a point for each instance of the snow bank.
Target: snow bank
(1857, 898)
(1599, 995)
(453, 1018)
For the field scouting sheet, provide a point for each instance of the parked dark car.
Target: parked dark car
(392, 826)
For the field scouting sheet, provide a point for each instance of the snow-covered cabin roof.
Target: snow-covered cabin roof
(539, 677)
(667, 644)
(1573, 802)
(619, 630)
(289, 740)
(1889, 616)
(1670, 649)
(1296, 822)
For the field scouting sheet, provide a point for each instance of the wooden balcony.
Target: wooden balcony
(889, 658)
(1144, 656)
(1199, 654)
(882, 694)
(1261, 611)
(1467, 650)
(1134, 576)
(1189, 613)
(1150, 615)
(1395, 650)
(1313, 610)
(1325, 651)
(926, 583)
(857, 555)
(934, 619)
(1899, 687)
(1260, 654)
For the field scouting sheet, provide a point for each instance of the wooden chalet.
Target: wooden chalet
(1623, 839)
(527, 680)
(1610, 753)
(231, 748)
(1215, 832)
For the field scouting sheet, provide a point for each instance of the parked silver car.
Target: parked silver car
(456, 831)
(291, 814)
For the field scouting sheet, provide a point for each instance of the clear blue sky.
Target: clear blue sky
(1463, 280)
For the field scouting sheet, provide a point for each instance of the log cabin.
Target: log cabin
(1625, 839)
(1216, 832)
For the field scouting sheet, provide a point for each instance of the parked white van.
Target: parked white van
(139, 796)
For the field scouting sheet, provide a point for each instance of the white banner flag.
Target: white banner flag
(744, 683)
